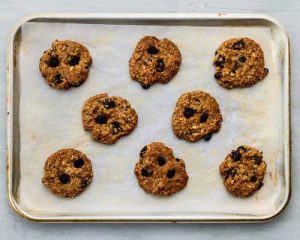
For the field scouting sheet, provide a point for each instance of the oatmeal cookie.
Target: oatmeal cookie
(243, 171)
(196, 116)
(67, 172)
(65, 65)
(154, 60)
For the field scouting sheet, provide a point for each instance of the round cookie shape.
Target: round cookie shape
(158, 172)
(154, 60)
(239, 63)
(197, 115)
(108, 118)
(243, 171)
(65, 65)
(67, 172)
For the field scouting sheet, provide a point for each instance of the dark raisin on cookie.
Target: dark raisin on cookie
(101, 119)
(257, 159)
(54, 62)
(145, 86)
(236, 156)
(171, 173)
(208, 137)
(242, 59)
(64, 178)
(161, 161)
(266, 70)
(78, 163)
(160, 66)
(220, 62)
(188, 112)
(144, 149)
(74, 60)
(177, 159)
(260, 185)
(57, 79)
(218, 75)
(116, 127)
(152, 50)
(108, 103)
(203, 117)
(253, 178)
(241, 149)
(146, 172)
(238, 45)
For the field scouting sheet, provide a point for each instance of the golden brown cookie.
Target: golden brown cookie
(243, 171)
(154, 60)
(159, 172)
(108, 118)
(65, 65)
(67, 172)
(239, 63)
(196, 115)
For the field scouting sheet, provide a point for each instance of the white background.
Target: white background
(286, 226)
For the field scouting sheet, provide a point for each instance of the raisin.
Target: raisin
(208, 136)
(145, 86)
(146, 172)
(177, 159)
(238, 45)
(57, 79)
(152, 50)
(74, 60)
(108, 103)
(54, 62)
(253, 178)
(235, 67)
(160, 66)
(236, 156)
(260, 185)
(78, 163)
(116, 127)
(242, 59)
(161, 161)
(266, 71)
(218, 75)
(101, 119)
(144, 149)
(188, 112)
(257, 159)
(203, 117)
(171, 173)
(64, 178)
(241, 149)
(220, 61)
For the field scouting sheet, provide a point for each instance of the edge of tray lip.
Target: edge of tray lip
(184, 16)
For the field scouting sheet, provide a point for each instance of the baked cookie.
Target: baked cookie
(67, 172)
(159, 172)
(65, 65)
(243, 171)
(197, 115)
(239, 63)
(108, 118)
(154, 60)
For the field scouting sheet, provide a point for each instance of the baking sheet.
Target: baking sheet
(51, 120)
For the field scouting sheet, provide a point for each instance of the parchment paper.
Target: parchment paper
(51, 120)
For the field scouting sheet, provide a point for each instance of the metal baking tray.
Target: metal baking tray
(266, 107)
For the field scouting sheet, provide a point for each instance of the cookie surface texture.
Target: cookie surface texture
(154, 60)
(197, 115)
(239, 63)
(65, 65)
(158, 172)
(67, 172)
(108, 118)
(243, 171)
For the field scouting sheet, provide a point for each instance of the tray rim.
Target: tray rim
(143, 16)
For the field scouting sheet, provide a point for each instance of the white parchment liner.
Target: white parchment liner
(51, 120)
